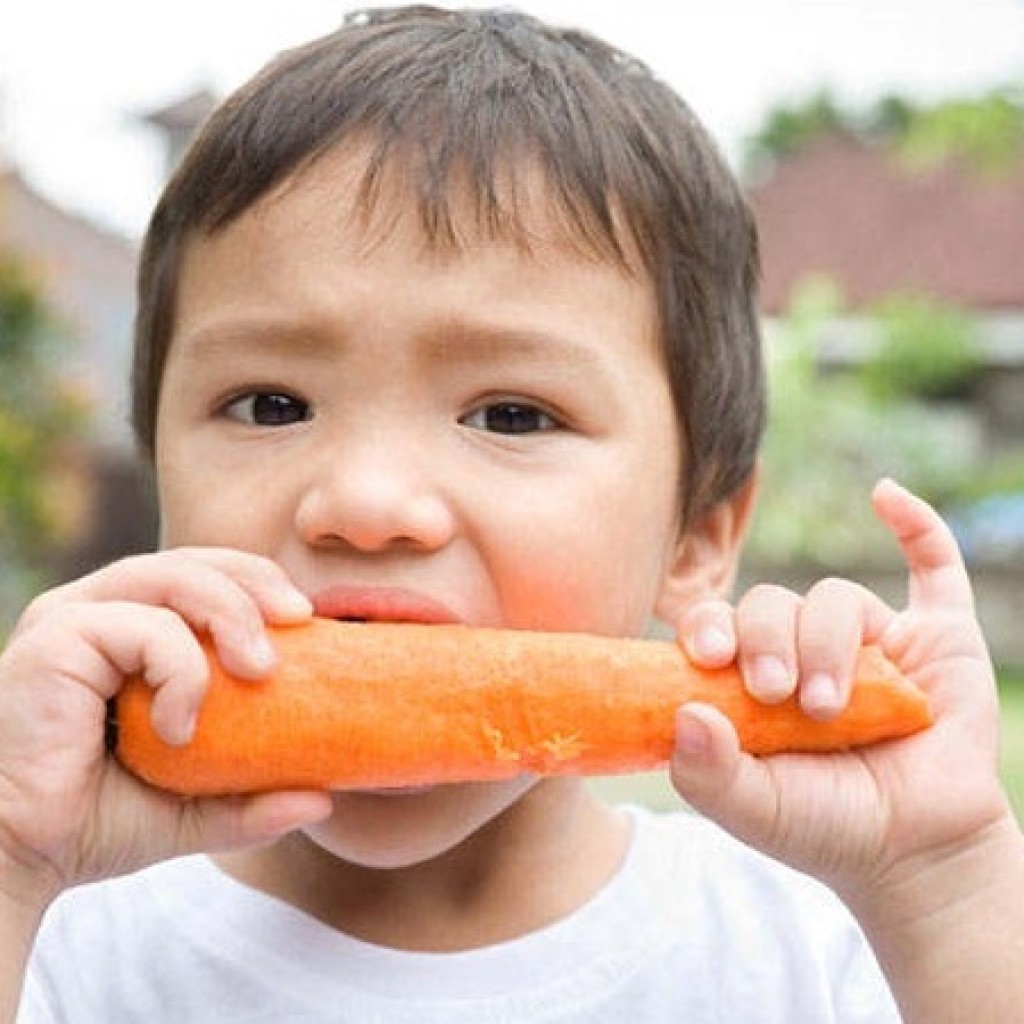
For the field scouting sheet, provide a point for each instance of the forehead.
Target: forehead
(516, 200)
(325, 241)
(341, 210)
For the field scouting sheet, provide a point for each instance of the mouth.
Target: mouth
(380, 604)
(393, 792)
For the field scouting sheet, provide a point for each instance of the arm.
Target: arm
(21, 915)
(917, 836)
(68, 812)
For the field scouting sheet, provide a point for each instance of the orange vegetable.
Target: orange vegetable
(380, 705)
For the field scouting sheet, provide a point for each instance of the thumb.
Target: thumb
(719, 780)
(217, 824)
(135, 825)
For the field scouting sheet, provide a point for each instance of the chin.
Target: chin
(389, 830)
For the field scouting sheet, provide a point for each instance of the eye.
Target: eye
(268, 409)
(510, 418)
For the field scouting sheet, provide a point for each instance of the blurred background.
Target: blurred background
(882, 147)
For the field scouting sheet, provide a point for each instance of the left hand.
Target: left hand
(852, 817)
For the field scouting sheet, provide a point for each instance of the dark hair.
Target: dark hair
(466, 97)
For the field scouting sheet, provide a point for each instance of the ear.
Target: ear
(707, 556)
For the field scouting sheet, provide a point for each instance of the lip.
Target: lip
(394, 792)
(381, 604)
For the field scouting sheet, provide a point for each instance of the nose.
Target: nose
(373, 495)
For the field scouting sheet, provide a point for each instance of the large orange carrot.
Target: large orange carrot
(381, 705)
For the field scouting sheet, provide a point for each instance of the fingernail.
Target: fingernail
(188, 729)
(770, 676)
(293, 604)
(262, 652)
(712, 644)
(819, 695)
(693, 738)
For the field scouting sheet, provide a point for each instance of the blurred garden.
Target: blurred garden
(42, 419)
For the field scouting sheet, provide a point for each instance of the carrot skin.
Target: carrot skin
(383, 705)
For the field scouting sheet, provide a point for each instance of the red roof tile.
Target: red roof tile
(862, 215)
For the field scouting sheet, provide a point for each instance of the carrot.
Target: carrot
(381, 705)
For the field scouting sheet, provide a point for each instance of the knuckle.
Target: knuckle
(709, 610)
(37, 610)
(166, 619)
(769, 596)
(817, 651)
(833, 588)
(767, 613)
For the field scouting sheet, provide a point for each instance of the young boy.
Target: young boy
(451, 316)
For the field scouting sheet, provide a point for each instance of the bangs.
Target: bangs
(454, 117)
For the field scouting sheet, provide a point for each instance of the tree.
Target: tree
(986, 130)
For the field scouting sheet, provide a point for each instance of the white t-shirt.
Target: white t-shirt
(694, 928)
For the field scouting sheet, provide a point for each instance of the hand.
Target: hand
(851, 818)
(68, 811)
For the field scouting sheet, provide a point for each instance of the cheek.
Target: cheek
(594, 563)
(204, 505)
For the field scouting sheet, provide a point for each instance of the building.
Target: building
(858, 213)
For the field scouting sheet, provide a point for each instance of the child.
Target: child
(451, 316)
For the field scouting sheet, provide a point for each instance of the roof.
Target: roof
(44, 231)
(860, 214)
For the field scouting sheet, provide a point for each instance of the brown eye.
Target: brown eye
(269, 409)
(510, 418)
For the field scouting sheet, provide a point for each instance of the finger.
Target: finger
(157, 645)
(837, 618)
(938, 577)
(716, 778)
(164, 825)
(766, 619)
(215, 824)
(97, 646)
(209, 599)
(278, 598)
(707, 633)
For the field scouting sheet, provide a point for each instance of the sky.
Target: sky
(76, 76)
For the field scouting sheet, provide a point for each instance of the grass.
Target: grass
(654, 789)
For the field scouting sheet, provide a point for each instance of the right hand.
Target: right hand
(69, 812)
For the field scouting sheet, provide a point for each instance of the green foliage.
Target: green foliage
(986, 130)
(787, 129)
(927, 349)
(829, 440)
(1011, 696)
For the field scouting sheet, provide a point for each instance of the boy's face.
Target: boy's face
(487, 437)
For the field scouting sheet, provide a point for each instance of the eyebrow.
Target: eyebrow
(462, 340)
(218, 339)
(472, 341)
